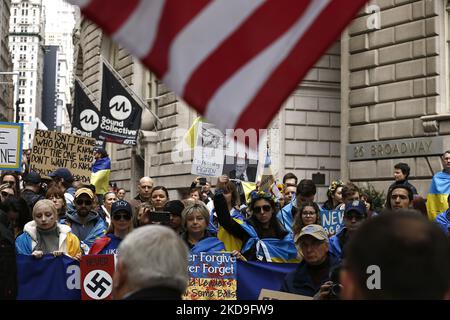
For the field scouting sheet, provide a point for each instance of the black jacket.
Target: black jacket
(300, 281)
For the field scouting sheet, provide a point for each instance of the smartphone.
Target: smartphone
(160, 216)
(202, 181)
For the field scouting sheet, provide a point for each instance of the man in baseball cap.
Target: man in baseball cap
(86, 224)
(354, 215)
(314, 270)
(32, 189)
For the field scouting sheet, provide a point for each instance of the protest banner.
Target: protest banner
(332, 221)
(208, 152)
(52, 150)
(253, 276)
(212, 277)
(48, 278)
(96, 276)
(267, 294)
(11, 137)
(120, 112)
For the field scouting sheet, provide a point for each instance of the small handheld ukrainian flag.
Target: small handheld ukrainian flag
(191, 134)
(100, 175)
(437, 194)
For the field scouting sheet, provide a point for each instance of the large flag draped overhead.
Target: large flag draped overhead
(235, 62)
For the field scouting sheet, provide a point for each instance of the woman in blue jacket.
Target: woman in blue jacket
(195, 221)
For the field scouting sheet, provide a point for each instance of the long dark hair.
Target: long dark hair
(19, 206)
(274, 225)
(298, 225)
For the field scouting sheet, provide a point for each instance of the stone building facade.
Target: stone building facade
(6, 81)
(395, 93)
(377, 97)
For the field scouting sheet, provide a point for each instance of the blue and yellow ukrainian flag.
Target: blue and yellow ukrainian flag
(437, 194)
(191, 133)
(100, 175)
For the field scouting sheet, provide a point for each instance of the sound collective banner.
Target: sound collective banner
(120, 113)
(86, 117)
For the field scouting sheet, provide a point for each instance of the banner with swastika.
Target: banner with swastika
(96, 277)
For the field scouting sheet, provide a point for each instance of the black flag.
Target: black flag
(120, 113)
(86, 118)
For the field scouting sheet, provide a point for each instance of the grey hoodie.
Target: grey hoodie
(80, 230)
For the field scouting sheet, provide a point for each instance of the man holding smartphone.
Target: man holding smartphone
(206, 194)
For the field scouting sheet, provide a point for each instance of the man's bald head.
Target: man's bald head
(145, 188)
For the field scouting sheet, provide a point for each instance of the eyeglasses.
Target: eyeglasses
(7, 194)
(85, 202)
(308, 213)
(265, 208)
(123, 216)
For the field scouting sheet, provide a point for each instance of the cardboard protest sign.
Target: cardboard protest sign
(11, 137)
(332, 221)
(96, 277)
(208, 152)
(215, 154)
(52, 150)
(278, 295)
(212, 277)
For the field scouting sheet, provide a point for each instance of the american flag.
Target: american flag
(234, 61)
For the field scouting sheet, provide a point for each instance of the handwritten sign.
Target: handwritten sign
(332, 221)
(212, 277)
(11, 137)
(208, 152)
(52, 150)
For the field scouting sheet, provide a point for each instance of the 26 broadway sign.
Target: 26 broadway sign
(395, 148)
(120, 113)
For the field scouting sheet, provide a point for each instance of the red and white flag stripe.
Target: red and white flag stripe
(234, 61)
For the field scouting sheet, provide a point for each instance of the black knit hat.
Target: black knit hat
(174, 207)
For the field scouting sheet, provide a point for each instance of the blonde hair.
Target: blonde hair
(45, 203)
(192, 207)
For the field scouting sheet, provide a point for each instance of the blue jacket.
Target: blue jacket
(335, 245)
(286, 217)
(443, 221)
(300, 281)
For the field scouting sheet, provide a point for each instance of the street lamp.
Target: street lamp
(16, 89)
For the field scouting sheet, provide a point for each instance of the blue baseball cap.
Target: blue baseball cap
(62, 173)
(121, 205)
(358, 206)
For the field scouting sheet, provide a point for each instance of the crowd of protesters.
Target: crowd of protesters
(61, 216)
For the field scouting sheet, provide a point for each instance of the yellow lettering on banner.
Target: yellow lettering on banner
(211, 289)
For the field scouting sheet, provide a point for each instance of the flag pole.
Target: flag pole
(130, 90)
(84, 87)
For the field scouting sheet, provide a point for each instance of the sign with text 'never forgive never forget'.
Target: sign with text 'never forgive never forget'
(212, 277)
(52, 150)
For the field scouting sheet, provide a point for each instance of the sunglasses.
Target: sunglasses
(351, 215)
(265, 208)
(81, 202)
(122, 216)
(6, 194)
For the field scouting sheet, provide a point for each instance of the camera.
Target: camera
(160, 216)
(335, 290)
(202, 181)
